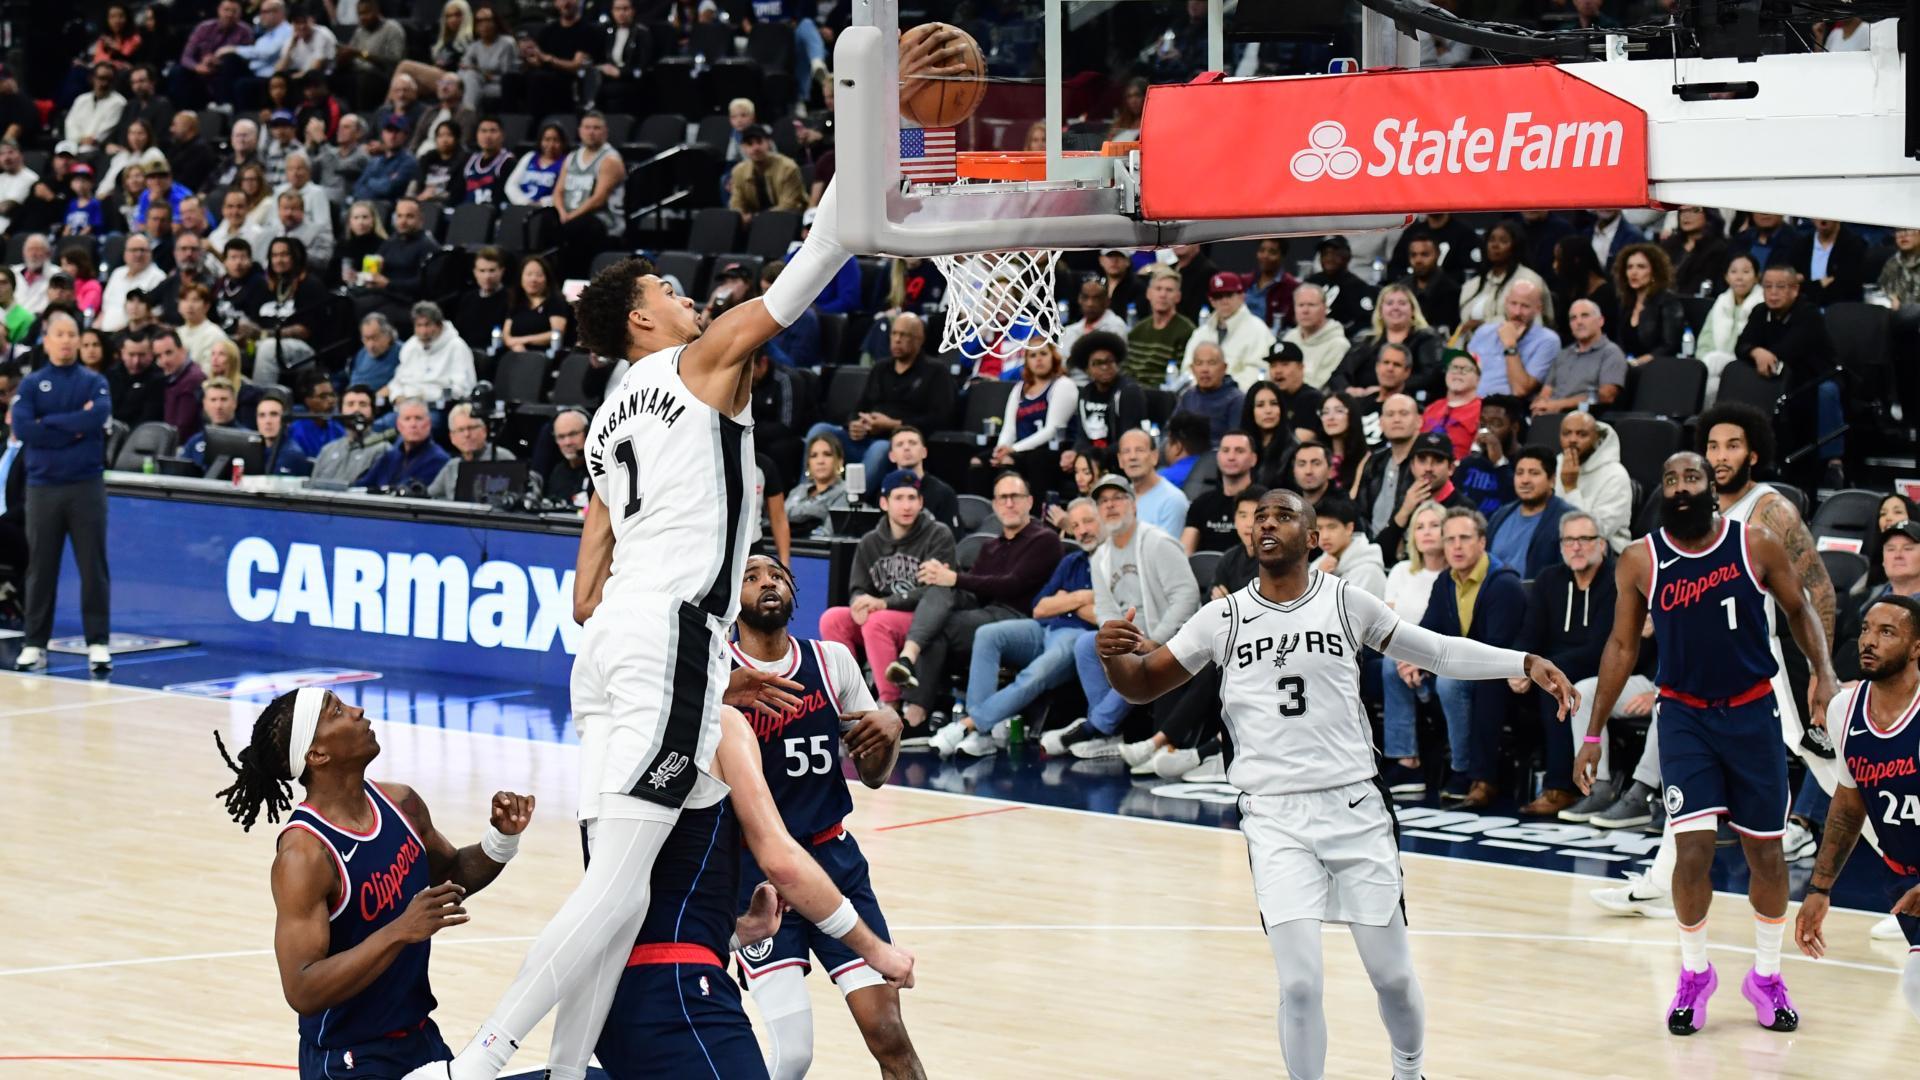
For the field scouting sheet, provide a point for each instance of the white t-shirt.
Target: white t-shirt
(843, 672)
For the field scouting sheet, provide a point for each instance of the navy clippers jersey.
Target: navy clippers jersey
(485, 182)
(379, 873)
(694, 881)
(1885, 766)
(800, 751)
(1710, 620)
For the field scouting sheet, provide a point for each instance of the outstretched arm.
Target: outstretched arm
(475, 866)
(1139, 675)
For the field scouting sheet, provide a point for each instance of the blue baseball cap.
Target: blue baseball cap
(900, 478)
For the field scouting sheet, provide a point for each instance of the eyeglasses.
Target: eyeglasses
(1463, 369)
(1572, 541)
(1012, 497)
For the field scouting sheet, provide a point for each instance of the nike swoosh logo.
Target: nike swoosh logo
(1670, 562)
(1249, 618)
(348, 857)
(1357, 802)
(1856, 731)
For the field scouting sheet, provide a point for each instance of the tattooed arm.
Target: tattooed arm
(1844, 819)
(1779, 516)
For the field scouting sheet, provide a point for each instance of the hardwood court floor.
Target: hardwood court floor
(1052, 943)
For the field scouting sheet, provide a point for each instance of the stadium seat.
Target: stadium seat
(771, 44)
(1544, 431)
(771, 232)
(570, 385)
(520, 377)
(749, 263)
(712, 40)
(1645, 444)
(1846, 568)
(1203, 564)
(1744, 383)
(470, 226)
(526, 229)
(714, 230)
(664, 129)
(1204, 474)
(687, 267)
(432, 213)
(675, 85)
(1847, 515)
(151, 439)
(619, 127)
(844, 389)
(833, 332)
(1160, 404)
(969, 548)
(1859, 333)
(1793, 495)
(1669, 386)
(117, 432)
(739, 77)
(714, 131)
(606, 259)
(516, 130)
(17, 248)
(975, 512)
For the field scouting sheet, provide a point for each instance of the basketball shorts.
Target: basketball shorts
(646, 700)
(790, 946)
(1328, 855)
(1724, 760)
(678, 1020)
(388, 1058)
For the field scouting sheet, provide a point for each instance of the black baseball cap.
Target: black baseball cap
(1908, 529)
(754, 133)
(1334, 241)
(732, 270)
(1286, 352)
(1432, 442)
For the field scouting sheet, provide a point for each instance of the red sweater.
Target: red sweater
(1459, 424)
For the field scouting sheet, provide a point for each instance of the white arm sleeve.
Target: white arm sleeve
(1373, 622)
(1839, 712)
(850, 691)
(812, 268)
(1200, 639)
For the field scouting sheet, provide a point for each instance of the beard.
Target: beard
(1111, 529)
(1737, 481)
(767, 622)
(1687, 515)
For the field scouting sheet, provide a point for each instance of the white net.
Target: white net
(999, 302)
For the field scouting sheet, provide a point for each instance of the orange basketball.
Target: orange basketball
(943, 89)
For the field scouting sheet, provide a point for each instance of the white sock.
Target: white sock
(485, 1057)
(1910, 983)
(1693, 946)
(564, 1072)
(1766, 944)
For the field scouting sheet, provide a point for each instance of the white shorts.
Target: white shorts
(646, 700)
(1328, 855)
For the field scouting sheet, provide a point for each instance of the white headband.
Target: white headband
(307, 702)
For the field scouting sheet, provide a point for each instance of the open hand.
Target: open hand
(751, 688)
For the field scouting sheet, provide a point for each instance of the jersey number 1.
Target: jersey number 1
(623, 453)
(1733, 613)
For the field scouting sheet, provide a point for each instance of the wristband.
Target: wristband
(498, 846)
(1593, 738)
(1823, 890)
(841, 922)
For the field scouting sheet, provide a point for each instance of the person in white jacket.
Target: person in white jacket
(1591, 477)
(1726, 319)
(1347, 553)
(433, 363)
(1322, 340)
(93, 116)
(1244, 340)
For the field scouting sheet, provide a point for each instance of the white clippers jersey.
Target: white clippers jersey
(1290, 682)
(672, 473)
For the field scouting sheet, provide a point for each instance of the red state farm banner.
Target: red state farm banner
(1496, 138)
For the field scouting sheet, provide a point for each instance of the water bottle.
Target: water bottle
(148, 466)
(1133, 313)
(1205, 312)
(1379, 270)
(1173, 375)
(1686, 342)
(1066, 313)
(493, 349)
(553, 344)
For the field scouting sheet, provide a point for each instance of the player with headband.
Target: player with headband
(361, 881)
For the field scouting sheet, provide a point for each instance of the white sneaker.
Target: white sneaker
(31, 656)
(948, 739)
(980, 744)
(1798, 843)
(1053, 742)
(1145, 768)
(1136, 754)
(1175, 764)
(1888, 929)
(1639, 896)
(1098, 748)
(100, 659)
(1211, 770)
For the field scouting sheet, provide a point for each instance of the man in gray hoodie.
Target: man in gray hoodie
(1347, 554)
(1138, 570)
(885, 584)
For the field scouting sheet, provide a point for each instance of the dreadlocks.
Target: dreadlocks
(260, 776)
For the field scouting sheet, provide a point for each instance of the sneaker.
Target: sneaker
(1604, 793)
(1688, 1013)
(1888, 929)
(1639, 896)
(1772, 1007)
(1632, 809)
(1136, 754)
(979, 744)
(948, 739)
(1656, 824)
(31, 657)
(1096, 747)
(1458, 786)
(1055, 741)
(901, 673)
(99, 659)
(1798, 843)
(1405, 781)
(1175, 764)
(1211, 770)
(1145, 768)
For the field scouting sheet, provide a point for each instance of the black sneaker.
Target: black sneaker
(1457, 787)
(901, 673)
(1405, 781)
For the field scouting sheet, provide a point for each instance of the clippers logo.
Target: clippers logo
(671, 766)
(1327, 154)
(1675, 800)
(758, 951)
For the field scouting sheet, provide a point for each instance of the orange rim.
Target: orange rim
(1024, 164)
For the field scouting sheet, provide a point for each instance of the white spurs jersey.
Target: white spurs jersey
(672, 472)
(1290, 682)
(1742, 512)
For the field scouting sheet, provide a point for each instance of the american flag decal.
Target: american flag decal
(926, 155)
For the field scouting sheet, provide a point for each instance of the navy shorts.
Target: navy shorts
(1725, 760)
(381, 1059)
(843, 861)
(679, 1020)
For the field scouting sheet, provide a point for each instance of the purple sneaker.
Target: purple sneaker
(1772, 1008)
(1688, 1013)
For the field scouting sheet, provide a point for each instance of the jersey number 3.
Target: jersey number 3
(1293, 696)
(623, 453)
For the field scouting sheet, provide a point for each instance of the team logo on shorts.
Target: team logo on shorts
(757, 952)
(1675, 800)
(705, 990)
(670, 766)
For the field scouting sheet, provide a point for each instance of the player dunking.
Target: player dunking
(800, 756)
(1873, 727)
(667, 528)
(361, 880)
(1705, 581)
(1319, 824)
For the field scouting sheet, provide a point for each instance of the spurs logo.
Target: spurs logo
(670, 766)
(1285, 643)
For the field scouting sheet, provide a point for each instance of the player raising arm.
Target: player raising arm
(1319, 825)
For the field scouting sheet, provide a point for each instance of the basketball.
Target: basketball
(940, 85)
